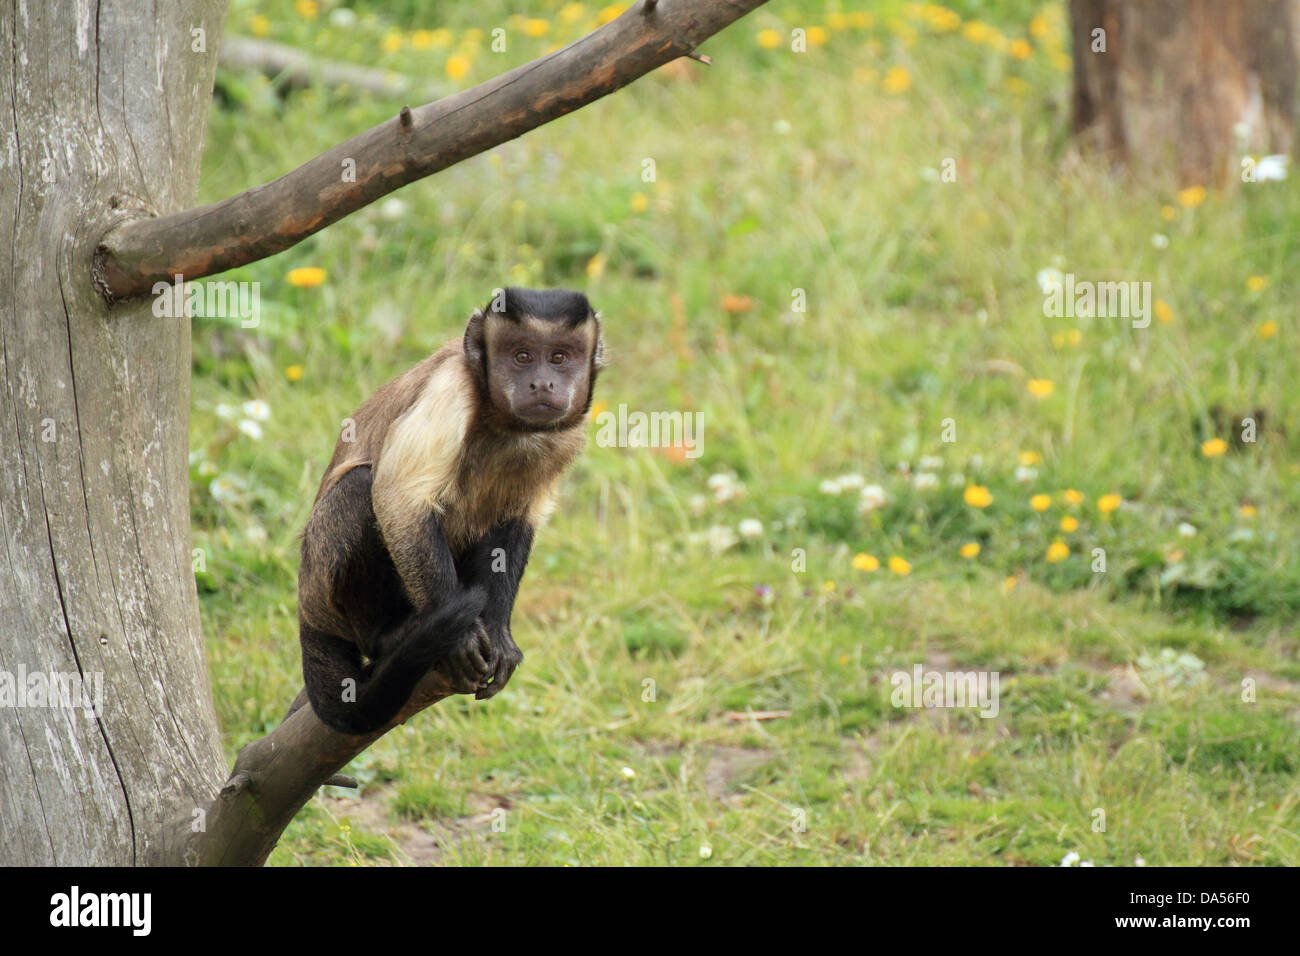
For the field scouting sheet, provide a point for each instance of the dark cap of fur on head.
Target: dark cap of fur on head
(558, 305)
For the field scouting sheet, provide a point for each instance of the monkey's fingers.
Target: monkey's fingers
(507, 660)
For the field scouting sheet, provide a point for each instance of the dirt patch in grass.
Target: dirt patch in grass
(418, 844)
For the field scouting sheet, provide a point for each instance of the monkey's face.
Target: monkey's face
(539, 372)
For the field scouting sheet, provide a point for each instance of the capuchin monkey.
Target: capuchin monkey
(418, 538)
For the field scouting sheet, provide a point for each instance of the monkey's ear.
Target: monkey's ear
(475, 340)
(598, 353)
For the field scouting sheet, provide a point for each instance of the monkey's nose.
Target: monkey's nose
(548, 386)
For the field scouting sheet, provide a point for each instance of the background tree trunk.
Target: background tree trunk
(1184, 85)
(95, 567)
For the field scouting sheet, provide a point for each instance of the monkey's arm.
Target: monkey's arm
(499, 559)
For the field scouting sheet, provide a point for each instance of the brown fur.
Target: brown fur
(430, 447)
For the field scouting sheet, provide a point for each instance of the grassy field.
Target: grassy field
(839, 263)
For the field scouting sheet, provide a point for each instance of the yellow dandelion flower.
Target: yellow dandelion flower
(769, 39)
(1168, 213)
(611, 12)
(260, 25)
(422, 40)
(1058, 340)
(899, 566)
(1108, 503)
(1040, 387)
(862, 21)
(598, 408)
(1267, 329)
(391, 43)
(969, 550)
(457, 66)
(817, 36)
(1040, 502)
(1038, 26)
(977, 32)
(1214, 447)
(307, 9)
(294, 373)
(866, 562)
(1029, 458)
(1008, 584)
(639, 202)
(1191, 197)
(978, 496)
(1257, 283)
(572, 12)
(828, 587)
(942, 19)
(305, 277)
(1074, 337)
(1057, 552)
(596, 266)
(897, 80)
(1072, 497)
(1069, 524)
(536, 27)
(837, 21)
(1163, 312)
(1248, 511)
(1021, 50)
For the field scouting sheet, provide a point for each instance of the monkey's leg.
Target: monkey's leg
(497, 562)
(428, 579)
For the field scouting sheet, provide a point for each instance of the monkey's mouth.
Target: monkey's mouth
(541, 411)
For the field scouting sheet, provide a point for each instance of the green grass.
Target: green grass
(778, 172)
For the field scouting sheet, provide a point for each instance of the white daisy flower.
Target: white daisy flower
(870, 498)
(1271, 168)
(1049, 280)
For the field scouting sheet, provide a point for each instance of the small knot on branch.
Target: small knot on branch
(699, 57)
(405, 117)
(237, 784)
(649, 7)
(341, 780)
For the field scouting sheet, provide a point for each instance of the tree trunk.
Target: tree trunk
(101, 107)
(1185, 86)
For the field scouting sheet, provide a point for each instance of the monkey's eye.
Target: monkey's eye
(558, 358)
(523, 356)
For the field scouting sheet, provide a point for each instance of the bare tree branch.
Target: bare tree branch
(270, 218)
(274, 777)
(295, 69)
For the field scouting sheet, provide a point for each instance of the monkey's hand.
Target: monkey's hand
(481, 662)
(506, 656)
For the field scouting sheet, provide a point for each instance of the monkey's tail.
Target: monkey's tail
(383, 687)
